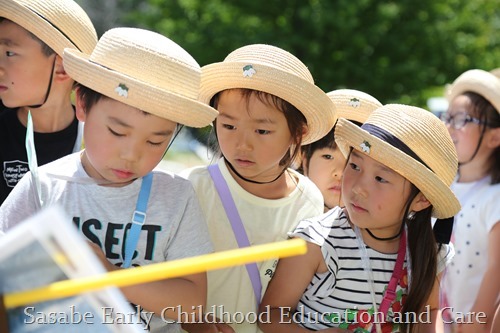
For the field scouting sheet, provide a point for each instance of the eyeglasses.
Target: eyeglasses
(459, 120)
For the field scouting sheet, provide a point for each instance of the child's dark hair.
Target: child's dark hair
(422, 254)
(307, 151)
(295, 120)
(490, 118)
(46, 50)
(328, 141)
(89, 97)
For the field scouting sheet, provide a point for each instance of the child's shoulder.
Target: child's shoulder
(332, 223)
(195, 172)
(67, 165)
(173, 180)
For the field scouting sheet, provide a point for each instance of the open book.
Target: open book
(45, 249)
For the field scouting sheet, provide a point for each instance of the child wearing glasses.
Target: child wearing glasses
(473, 121)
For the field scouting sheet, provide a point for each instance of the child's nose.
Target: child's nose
(243, 142)
(131, 152)
(359, 188)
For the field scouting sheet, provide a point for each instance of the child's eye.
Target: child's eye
(9, 53)
(227, 126)
(353, 166)
(155, 143)
(115, 133)
(380, 180)
(327, 157)
(263, 132)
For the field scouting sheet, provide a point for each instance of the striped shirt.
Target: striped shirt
(341, 296)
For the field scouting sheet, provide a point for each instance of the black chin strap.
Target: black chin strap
(48, 88)
(249, 180)
(386, 238)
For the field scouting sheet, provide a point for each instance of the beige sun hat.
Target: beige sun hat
(496, 72)
(145, 70)
(58, 23)
(353, 104)
(424, 136)
(477, 81)
(275, 71)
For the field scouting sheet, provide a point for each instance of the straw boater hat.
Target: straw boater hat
(477, 81)
(145, 70)
(58, 23)
(274, 71)
(496, 72)
(424, 136)
(353, 104)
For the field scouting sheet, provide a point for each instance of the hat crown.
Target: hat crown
(271, 56)
(423, 133)
(148, 57)
(483, 83)
(353, 104)
(68, 18)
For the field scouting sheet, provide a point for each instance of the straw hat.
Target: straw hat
(423, 134)
(275, 71)
(58, 23)
(145, 70)
(478, 81)
(353, 104)
(496, 72)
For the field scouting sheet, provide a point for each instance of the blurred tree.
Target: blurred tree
(394, 50)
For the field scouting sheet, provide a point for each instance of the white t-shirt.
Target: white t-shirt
(480, 212)
(174, 227)
(265, 221)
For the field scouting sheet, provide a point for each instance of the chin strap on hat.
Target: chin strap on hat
(48, 87)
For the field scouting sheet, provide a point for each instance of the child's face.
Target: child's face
(24, 69)
(253, 136)
(122, 143)
(325, 170)
(374, 195)
(466, 138)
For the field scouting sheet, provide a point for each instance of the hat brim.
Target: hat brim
(342, 98)
(477, 81)
(444, 202)
(309, 99)
(40, 27)
(141, 95)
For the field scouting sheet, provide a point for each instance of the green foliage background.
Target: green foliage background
(398, 51)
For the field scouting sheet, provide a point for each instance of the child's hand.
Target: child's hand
(97, 250)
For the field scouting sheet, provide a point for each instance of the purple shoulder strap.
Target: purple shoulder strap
(236, 224)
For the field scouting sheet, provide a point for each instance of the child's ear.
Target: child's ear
(493, 138)
(59, 71)
(81, 113)
(305, 129)
(419, 203)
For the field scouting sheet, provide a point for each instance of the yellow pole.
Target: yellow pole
(159, 271)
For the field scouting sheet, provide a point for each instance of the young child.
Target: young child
(33, 35)
(268, 106)
(401, 162)
(135, 88)
(473, 121)
(322, 161)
